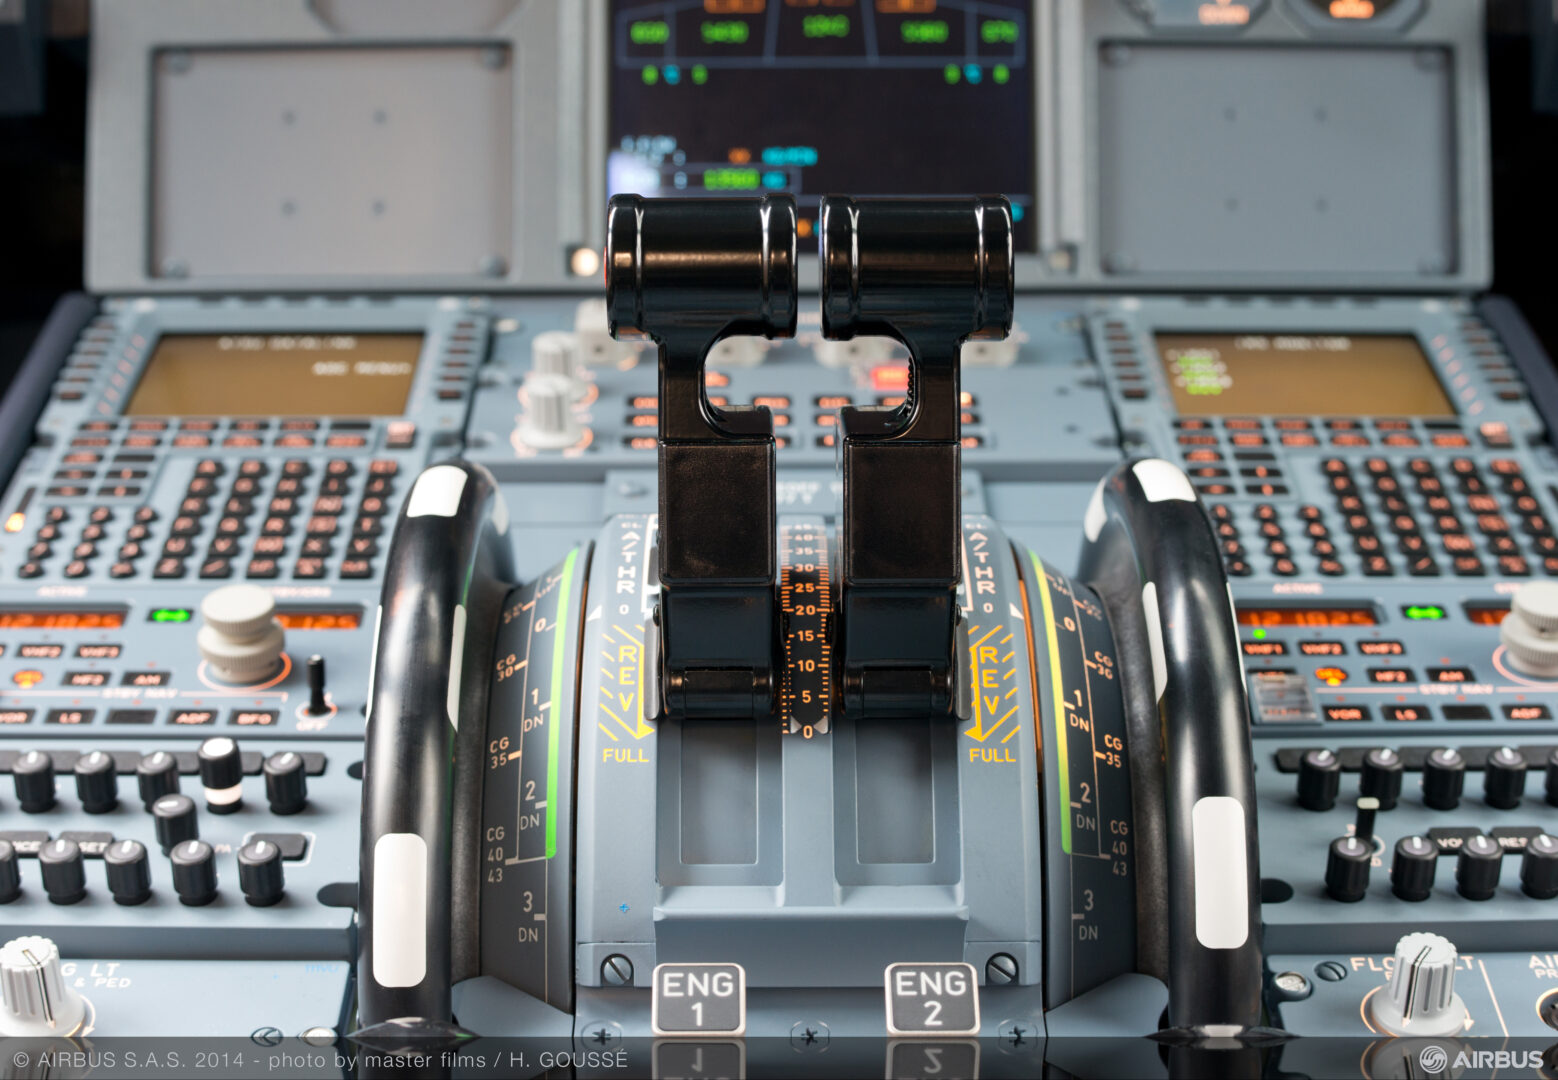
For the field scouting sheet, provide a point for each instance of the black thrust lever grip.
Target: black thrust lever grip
(448, 569)
(687, 273)
(931, 273)
(1151, 554)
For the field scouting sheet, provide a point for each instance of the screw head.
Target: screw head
(1331, 970)
(616, 970)
(1001, 969)
(809, 1035)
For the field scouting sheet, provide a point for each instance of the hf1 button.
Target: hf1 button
(699, 999)
(932, 999)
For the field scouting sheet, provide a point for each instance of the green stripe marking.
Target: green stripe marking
(1062, 752)
(554, 727)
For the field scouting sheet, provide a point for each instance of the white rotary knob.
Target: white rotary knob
(241, 639)
(549, 423)
(555, 352)
(37, 1000)
(1530, 630)
(1420, 998)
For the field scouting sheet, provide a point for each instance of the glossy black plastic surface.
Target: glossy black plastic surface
(687, 273)
(931, 273)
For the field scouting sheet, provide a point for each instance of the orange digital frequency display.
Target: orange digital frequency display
(60, 619)
(319, 618)
(1308, 616)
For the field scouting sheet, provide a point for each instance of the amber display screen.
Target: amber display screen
(1301, 375)
(319, 618)
(1337, 615)
(54, 619)
(278, 375)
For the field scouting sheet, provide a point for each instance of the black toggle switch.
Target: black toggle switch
(1444, 778)
(129, 872)
(1539, 867)
(33, 775)
(174, 817)
(1413, 867)
(97, 782)
(930, 273)
(1477, 867)
(1350, 857)
(1381, 776)
(194, 872)
(64, 871)
(10, 873)
(1504, 778)
(157, 775)
(260, 874)
(1319, 779)
(221, 774)
(317, 705)
(687, 274)
(286, 782)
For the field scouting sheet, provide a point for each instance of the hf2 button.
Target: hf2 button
(699, 999)
(932, 999)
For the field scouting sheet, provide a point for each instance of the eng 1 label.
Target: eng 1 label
(699, 999)
(932, 999)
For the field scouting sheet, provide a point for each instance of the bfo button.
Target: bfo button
(932, 999)
(699, 999)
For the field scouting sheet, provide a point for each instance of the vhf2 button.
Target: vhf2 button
(699, 999)
(932, 999)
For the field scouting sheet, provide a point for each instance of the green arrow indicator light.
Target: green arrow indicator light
(1424, 612)
(171, 615)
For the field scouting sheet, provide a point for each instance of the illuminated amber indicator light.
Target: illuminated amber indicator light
(46, 619)
(1527, 712)
(15, 522)
(1381, 648)
(1331, 676)
(319, 618)
(1321, 648)
(1307, 616)
(1390, 675)
(27, 678)
(1351, 9)
(1487, 614)
(1265, 648)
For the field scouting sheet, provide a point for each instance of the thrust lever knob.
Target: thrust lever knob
(37, 1000)
(1530, 630)
(241, 640)
(1420, 998)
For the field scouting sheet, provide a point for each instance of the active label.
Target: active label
(932, 999)
(699, 999)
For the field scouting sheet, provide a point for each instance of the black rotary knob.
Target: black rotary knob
(129, 872)
(259, 873)
(1504, 778)
(175, 819)
(1347, 869)
(1477, 867)
(194, 872)
(1552, 777)
(33, 775)
(1381, 775)
(157, 775)
(286, 782)
(1413, 867)
(97, 782)
(64, 871)
(1444, 777)
(10, 873)
(1319, 779)
(221, 774)
(1539, 867)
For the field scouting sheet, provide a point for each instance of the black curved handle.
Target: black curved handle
(448, 569)
(1151, 553)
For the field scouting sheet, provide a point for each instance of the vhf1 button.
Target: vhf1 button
(699, 999)
(932, 999)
